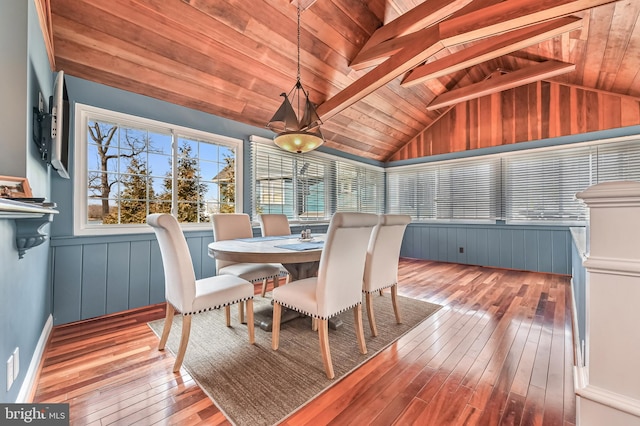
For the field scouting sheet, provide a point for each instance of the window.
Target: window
(451, 190)
(358, 188)
(541, 186)
(618, 161)
(312, 186)
(129, 167)
(272, 192)
(529, 186)
(469, 189)
(412, 191)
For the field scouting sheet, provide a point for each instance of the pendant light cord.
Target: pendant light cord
(298, 41)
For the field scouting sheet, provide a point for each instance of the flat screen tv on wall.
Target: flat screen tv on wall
(51, 133)
(59, 132)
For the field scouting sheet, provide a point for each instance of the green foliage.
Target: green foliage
(190, 191)
(228, 186)
(133, 204)
(133, 188)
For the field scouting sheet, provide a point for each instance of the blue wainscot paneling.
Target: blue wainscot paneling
(96, 276)
(531, 248)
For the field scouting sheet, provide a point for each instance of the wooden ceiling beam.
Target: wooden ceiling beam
(380, 45)
(396, 65)
(491, 48)
(510, 15)
(500, 83)
(379, 53)
(486, 22)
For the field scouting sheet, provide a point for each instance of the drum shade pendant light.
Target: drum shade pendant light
(296, 123)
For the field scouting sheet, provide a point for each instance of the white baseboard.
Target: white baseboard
(30, 378)
(577, 346)
(602, 396)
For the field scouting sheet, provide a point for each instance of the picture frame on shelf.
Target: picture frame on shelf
(14, 187)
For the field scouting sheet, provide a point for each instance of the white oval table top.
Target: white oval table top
(264, 251)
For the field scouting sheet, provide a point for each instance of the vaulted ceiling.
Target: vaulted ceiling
(381, 71)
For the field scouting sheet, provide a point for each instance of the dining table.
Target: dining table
(300, 257)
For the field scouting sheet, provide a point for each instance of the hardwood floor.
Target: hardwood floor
(499, 352)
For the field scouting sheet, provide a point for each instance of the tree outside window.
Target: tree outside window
(130, 175)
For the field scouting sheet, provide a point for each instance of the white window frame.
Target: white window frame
(631, 170)
(330, 185)
(433, 168)
(84, 113)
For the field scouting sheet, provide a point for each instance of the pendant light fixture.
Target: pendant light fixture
(296, 123)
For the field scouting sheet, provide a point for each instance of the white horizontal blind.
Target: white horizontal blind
(469, 189)
(541, 186)
(358, 188)
(312, 186)
(618, 161)
(465, 189)
(412, 191)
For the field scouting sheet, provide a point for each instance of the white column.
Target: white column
(608, 385)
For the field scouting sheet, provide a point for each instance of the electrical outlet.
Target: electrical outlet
(16, 363)
(461, 250)
(9, 372)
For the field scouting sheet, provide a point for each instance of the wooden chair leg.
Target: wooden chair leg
(314, 324)
(250, 324)
(168, 320)
(275, 329)
(241, 312)
(323, 335)
(184, 340)
(394, 300)
(357, 321)
(227, 314)
(264, 288)
(381, 292)
(372, 320)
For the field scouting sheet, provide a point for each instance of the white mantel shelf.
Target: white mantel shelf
(30, 219)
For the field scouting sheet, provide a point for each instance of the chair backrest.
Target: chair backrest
(342, 262)
(272, 224)
(179, 277)
(383, 254)
(229, 226)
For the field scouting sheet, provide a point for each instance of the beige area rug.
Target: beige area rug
(254, 385)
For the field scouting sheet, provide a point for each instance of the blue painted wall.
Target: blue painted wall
(531, 248)
(25, 285)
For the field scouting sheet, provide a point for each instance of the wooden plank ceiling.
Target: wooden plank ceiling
(372, 66)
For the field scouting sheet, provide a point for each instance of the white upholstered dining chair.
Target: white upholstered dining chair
(275, 224)
(381, 268)
(231, 226)
(187, 295)
(338, 286)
